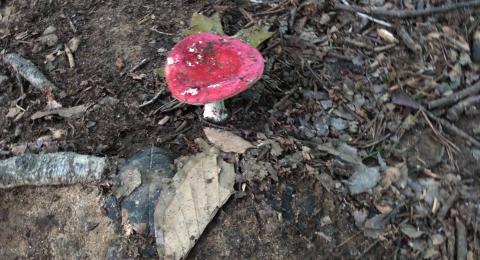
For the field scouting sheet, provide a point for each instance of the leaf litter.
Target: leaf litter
(356, 72)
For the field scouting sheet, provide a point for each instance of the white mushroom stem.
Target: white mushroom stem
(215, 112)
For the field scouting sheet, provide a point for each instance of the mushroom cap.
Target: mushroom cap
(204, 68)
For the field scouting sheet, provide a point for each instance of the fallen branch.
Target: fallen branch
(407, 13)
(51, 169)
(29, 71)
(454, 112)
(407, 101)
(375, 20)
(455, 97)
(453, 129)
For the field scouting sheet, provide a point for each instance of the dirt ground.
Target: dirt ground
(332, 73)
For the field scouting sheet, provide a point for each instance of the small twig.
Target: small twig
(271, 11)
(448, 144)
(140, 64)
(357, 43)
(136, 67)
(367, 249)
(384, 48)
(455, 97)
(454, 112)
(72, 26)
(69, 54)
(461, 239)
(153, 29)
(375, 20)
(246, 14)
(407, 13)
(447, 205)
(452, 128)
(169, 106)
(349, 239)
(407, 39)
(153, 99)
(169, 137)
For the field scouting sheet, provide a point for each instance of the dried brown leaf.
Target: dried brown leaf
(226, 141)
(190, 202)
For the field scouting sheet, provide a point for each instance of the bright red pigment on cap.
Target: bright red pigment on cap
(204, 68)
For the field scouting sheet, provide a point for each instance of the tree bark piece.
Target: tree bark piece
(51, 169)
(29, 71)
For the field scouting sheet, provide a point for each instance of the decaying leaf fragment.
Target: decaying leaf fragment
(63, 112)
(226, 141)
(190, 202)
(201, 23)
(255, 35)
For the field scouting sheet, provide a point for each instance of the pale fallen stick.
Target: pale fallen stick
(62, 168)
(29, 71)
(69, 54)
(375, 20)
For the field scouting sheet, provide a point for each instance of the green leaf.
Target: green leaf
(255, 35)
(159, 72)
(201, 23)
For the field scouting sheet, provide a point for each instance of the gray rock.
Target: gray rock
(476, 154)
(49, 39)
(326, 104)
(364, 179)
(3, 78)
(50, 29)
(338, 123)
(155, 168)
(321, 126)
(358, 100)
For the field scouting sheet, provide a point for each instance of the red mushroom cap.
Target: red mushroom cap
(204, 68)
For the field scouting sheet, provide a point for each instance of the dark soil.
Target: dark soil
(296, 217)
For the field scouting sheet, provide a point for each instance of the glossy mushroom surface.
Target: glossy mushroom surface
(205, 68)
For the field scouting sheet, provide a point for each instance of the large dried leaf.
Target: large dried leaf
(191, 201)
(201, 23)
(226, 141)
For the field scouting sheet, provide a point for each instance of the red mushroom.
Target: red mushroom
(205, 69)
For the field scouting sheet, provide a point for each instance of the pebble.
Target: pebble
(3, 78)
(73, 44)
(50, 30)
(338, 123)
(49, 39)
(321, 126)
(326, 104)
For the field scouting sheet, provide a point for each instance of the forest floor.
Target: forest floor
(335, 85)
